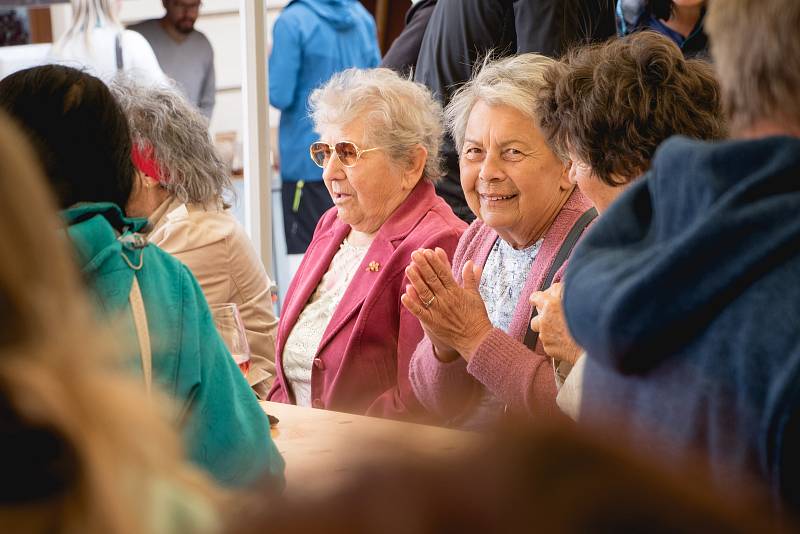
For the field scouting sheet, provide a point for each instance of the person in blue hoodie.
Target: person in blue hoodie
(311, 41)
(686, 293)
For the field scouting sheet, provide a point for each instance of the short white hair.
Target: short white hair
(514, 81)
(398, 114)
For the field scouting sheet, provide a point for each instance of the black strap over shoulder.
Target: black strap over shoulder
(118, 51)
(572, 238)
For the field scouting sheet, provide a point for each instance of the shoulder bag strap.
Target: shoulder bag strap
(142, 332)
(572, 238)
(118, 51)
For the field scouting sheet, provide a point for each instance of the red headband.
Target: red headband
(144, 160)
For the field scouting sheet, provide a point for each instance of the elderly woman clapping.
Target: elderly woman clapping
(344, 339)
(476, 358)
(180, 185)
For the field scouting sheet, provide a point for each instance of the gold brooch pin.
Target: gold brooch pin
(374, 266)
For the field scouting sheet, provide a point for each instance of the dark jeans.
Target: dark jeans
(302, 209)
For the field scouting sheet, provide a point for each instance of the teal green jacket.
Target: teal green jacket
(224, 428)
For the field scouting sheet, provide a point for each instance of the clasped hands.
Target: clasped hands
(453, 316)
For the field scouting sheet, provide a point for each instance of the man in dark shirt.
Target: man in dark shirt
(461, 32)
(184, 53)
(402, 55)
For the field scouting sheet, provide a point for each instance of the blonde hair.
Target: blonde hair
(86, 14)
(756, 50)
(398, 114)
(111, 450)
(514, 81)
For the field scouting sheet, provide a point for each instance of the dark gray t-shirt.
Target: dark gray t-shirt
(190, 63)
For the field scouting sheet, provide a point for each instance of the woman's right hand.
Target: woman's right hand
(552, 325)
(454, 316)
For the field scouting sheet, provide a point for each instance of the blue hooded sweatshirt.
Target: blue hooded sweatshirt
(686, 297)
(312, 40)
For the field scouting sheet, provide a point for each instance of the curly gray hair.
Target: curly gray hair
(399, 114)
(162, 118)
(514, 81)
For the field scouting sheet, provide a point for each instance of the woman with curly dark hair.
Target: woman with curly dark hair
(606, 108)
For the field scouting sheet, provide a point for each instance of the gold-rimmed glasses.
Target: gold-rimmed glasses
(347, 152)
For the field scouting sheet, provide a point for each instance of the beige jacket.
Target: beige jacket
(215, 247)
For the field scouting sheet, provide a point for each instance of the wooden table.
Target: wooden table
(320, 446)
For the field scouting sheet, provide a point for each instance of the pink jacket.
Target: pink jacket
(502, 363)
(361, 365)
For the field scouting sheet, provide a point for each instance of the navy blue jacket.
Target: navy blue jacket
(686, 297)
(311, 41)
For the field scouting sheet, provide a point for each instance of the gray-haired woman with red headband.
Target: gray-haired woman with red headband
(180, 186)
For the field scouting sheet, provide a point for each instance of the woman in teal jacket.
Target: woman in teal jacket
(82, 138)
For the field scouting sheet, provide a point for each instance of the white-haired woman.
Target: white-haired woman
(344, 340)
(97, 41)
(478, 358)
(180, 188)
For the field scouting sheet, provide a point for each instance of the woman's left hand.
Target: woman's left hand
(455, 315)
(552, 325)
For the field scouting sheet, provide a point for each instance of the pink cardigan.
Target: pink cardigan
(502, 363)
(361, 365)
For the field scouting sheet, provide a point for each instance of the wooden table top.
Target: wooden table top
(319, 446)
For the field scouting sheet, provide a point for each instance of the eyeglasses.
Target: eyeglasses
(347, 152)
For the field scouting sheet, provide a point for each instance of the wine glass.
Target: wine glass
(230, 327)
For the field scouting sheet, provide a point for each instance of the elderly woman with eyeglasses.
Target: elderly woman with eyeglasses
(344, 339)
(478, 359)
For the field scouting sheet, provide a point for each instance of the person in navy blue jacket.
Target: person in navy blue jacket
(685, 294)
(311, 41)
